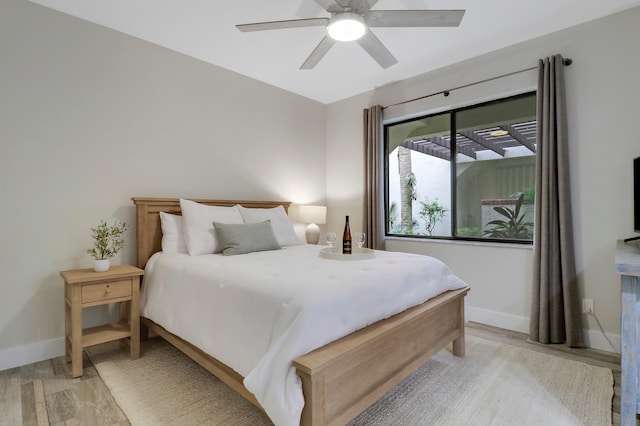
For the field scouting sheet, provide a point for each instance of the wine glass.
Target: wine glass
(331, 239)
(360, 238)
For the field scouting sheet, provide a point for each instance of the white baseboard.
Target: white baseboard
(498, 319)
(592, 338)
(47, 349)
(28, 354)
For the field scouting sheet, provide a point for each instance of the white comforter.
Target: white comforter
(257, 312)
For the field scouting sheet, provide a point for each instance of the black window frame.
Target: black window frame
(453, 178)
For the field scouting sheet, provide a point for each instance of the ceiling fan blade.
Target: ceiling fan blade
(374, 47)
(307, 8)
(278, 25)
(362, 6)
(318, 53)
(414, 18)
(331, 6)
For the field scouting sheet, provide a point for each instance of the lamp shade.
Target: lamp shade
(312, 214)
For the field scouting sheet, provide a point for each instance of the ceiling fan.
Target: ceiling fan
(351, 19)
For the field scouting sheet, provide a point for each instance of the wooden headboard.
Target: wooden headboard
(149, 232)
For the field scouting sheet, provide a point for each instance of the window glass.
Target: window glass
(495, 169)
(419, 177)
(467, 173)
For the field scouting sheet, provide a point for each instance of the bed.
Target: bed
(342, 378)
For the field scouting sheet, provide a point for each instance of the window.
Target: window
(467, 174)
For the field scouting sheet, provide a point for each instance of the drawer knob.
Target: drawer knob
(108, 290)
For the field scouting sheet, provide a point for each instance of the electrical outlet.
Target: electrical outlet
(587, 307)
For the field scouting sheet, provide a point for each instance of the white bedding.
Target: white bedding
(259, 311)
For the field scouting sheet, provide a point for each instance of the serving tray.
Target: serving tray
(357, 254)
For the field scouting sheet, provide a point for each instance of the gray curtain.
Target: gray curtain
(373, 220)
(555, 310)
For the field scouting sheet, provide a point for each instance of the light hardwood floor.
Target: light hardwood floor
(46, 393)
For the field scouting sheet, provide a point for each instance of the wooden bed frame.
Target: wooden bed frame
(343, 378)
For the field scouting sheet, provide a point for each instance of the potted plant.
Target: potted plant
(514, 227)
(107, 243)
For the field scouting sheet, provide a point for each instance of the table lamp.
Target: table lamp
(312, 215)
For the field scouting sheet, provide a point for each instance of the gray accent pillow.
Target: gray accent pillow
(246, 238)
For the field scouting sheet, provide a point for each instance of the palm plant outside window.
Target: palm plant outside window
(466, 174)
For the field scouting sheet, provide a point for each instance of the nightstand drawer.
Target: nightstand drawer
(106, 291)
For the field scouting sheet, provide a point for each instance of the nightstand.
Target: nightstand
(84, 288)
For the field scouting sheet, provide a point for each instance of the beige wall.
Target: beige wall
(89, 118)
(602, 94)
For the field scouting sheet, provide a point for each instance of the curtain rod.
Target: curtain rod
(565, 61)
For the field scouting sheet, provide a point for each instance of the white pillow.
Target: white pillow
(197, 222)
(172, 235)
(282, 226)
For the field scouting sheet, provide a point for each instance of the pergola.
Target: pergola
(471, 142)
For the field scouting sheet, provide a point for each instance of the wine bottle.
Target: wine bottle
(346, 238)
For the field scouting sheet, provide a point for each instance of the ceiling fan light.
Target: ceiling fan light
(346, 26)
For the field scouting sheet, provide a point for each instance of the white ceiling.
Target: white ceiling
(205, 29)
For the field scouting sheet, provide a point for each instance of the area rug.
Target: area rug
(494, 384)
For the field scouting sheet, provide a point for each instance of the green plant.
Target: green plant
(431, 212)
(469, 232)
(529, 195)
(404, 231)
(392, 214)
(107, 240)
(411, 185)
(514, 226)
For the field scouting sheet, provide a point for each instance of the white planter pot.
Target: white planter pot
(101, 265)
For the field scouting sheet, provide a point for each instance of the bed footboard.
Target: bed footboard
(342, 379)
